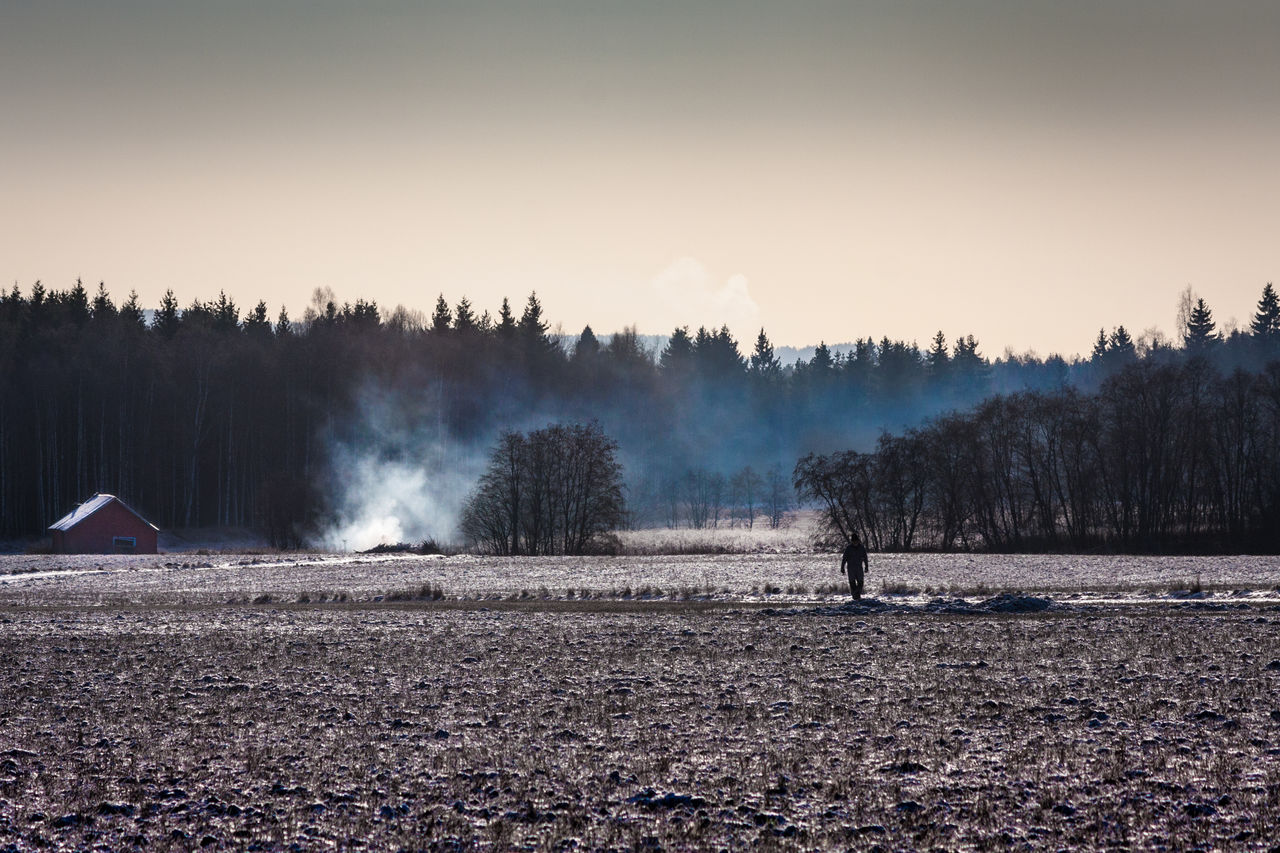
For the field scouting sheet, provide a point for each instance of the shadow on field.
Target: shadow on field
(1003, 603)
(1006, 603)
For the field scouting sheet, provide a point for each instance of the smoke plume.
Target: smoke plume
(688, 290)
(393, 478)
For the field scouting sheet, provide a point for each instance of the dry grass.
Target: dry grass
(898, 588)
(792, 538)
(680, 728)
(171, 579)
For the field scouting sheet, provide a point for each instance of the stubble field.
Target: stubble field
(141, 710)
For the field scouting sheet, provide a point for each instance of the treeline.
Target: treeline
(205, 415)
(1166, 456)
(197, 418)
(700, 498)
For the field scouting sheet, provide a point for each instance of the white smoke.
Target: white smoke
(386, 502)
(689, 293)
(390, 482)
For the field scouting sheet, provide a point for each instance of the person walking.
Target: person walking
(854, 561)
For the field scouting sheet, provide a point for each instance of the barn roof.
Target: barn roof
(91, 506)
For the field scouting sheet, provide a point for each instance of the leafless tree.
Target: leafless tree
(557, 490)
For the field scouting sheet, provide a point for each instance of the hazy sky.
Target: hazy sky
(1023, 171)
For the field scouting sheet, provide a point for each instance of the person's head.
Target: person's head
(854, 540)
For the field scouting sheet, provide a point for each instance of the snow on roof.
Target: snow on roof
(88, 508)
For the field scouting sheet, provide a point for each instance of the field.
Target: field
(332, 702)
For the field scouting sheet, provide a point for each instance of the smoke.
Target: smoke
(401, 464)
(687, 290)
(395, 476)
(396, 472)
(387, 501)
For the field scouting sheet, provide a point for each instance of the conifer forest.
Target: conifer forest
(209, 415)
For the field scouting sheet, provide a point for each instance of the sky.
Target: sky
(1023, 171)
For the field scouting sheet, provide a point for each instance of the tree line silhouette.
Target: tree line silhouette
(1164, 457)
(1167, 454)
(205, 415)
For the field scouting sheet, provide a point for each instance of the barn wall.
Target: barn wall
(96, 534)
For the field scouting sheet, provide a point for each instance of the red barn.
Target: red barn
(104, 524)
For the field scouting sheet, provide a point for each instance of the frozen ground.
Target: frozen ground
(641, 703)
(782, 578)
(531, 727)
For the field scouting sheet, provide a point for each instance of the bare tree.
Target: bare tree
(1182, 321)
(557, 490)
(745, 489)
(698, 497)
(777, 497)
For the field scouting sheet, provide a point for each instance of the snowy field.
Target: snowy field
(287, 702)
(757, 577)
(532, 726)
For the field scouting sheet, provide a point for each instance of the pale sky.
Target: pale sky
(1022, 171)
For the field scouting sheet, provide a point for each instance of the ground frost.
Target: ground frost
(170, 727)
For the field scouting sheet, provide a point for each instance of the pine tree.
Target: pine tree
(936, 359)
(442, 317)
(764, 361)
(103, 307)
(1099, 346)
(14, 304)
(13, 311)
(587, 347)
(464, 318)
(969, 366)
(197, 314)
(627, 353)
(531, 324)
(1121, 344)
(284, 328)
(165, 320)
(506, 326)
(822, 363)
(226, 316)
(77, 304)
(965, 355)
(131, 311)
(362, 315)
(677, 355)
(537, 346)
(256, 323)
(702, 342)
(1200, 328)
(860, 365)
(330, 315)
(1266, 322)
(717, 355)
